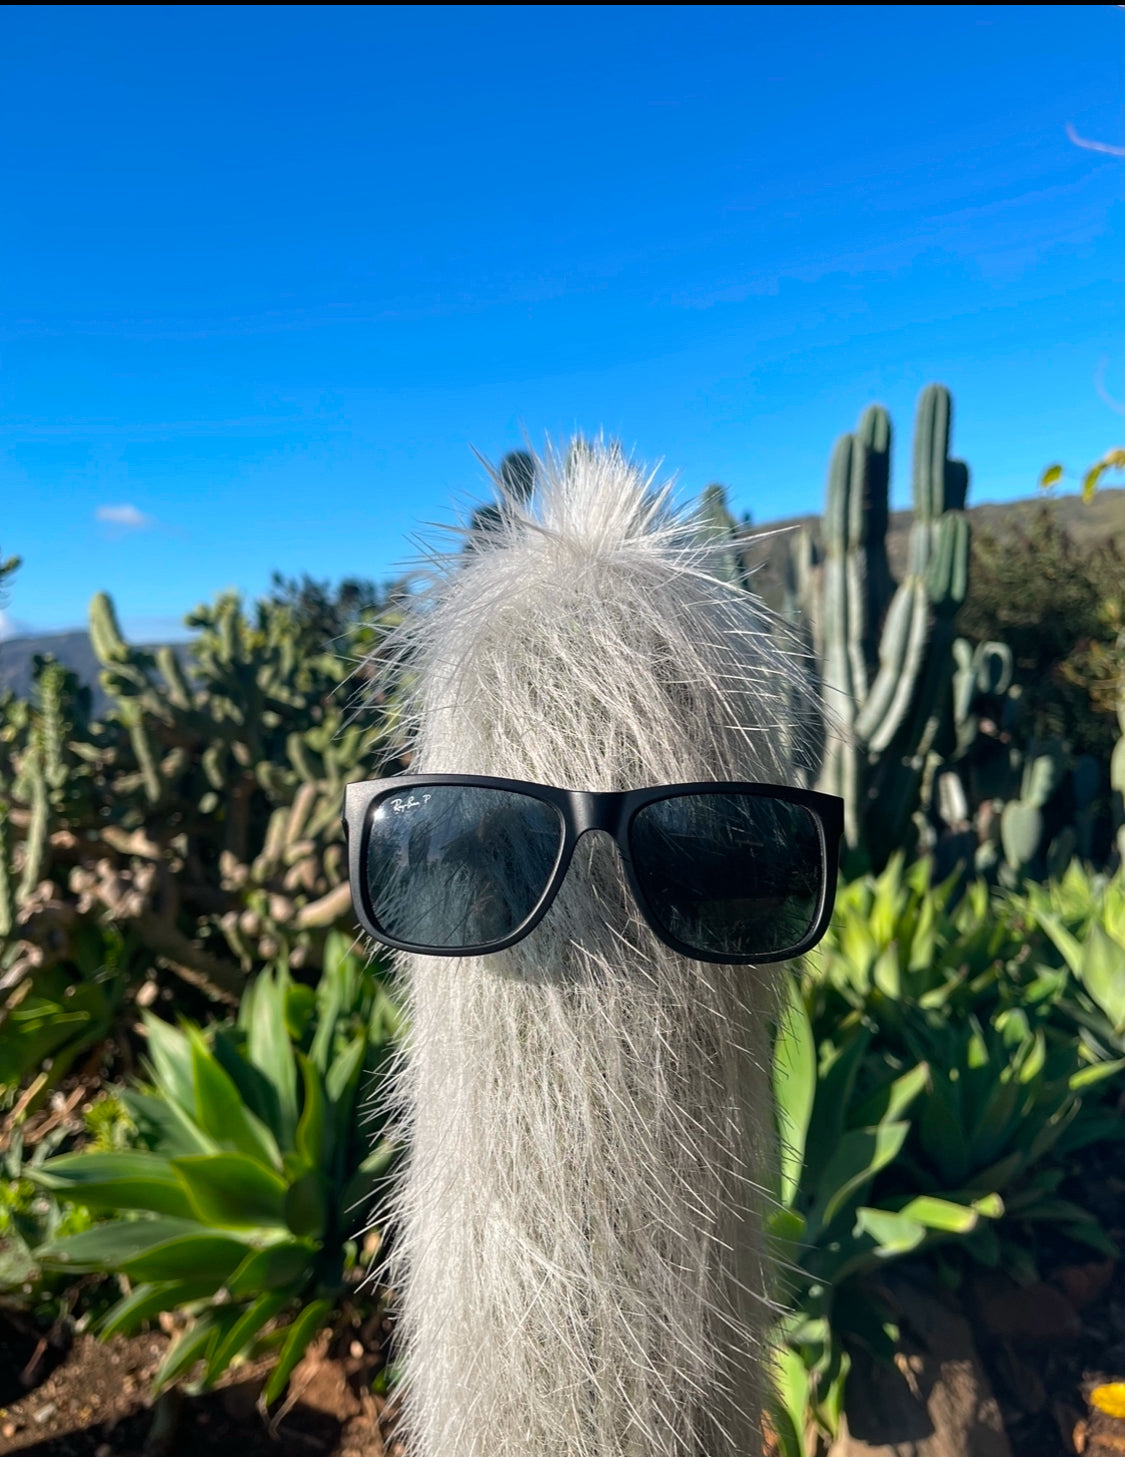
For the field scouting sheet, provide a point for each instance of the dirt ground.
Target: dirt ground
(91, 1400)
(1043, 1348)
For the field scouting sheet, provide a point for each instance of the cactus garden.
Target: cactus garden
(192, 1041)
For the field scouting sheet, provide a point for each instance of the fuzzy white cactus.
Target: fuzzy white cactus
(579, 1259)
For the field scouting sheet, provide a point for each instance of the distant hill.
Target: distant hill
(1103, 518)
(1100, 520)
(73, 651)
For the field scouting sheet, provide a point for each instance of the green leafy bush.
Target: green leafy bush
(833, 1230)
(932, 1094)
(1033, 588)
(251, 1173)
(51, 1014)
(1083, 917)
(30, 1216)
(197, 822)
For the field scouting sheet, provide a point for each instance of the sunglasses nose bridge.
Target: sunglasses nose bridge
(596, 812)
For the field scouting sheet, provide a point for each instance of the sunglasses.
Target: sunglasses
(466, 864)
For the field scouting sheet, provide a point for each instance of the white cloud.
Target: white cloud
(12, 627)
(127, 516)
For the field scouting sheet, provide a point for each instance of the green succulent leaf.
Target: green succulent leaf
(233, 1341)
(1098, 1072)
(117, 1181)
(170, 1053)
(232, 1191)
(889, 1102)
(794, 1085)
(859, 1156)
(341, 1084)
(195, 1255)
(313, 1139)
(257, 1092)
(287, 1264)
(835, 1085)
(270, 1050)
(164, 1124)
(790, 1407)
(297, 1340)
(148, 1301)
(306, 1205)
(221, 1110)
(300, 1005)
(1102, 972)
(948, 1216)
(110, 1246)
(369, 1175)
(894, 1234)
(191, 1346)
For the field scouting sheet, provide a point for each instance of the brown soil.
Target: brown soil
(1047, 1347)
(94, 1402)
(1044, 1348)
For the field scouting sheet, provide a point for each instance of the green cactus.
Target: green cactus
(7, 901)
(516, 479)
(1117, 759)
(721, 533)
(1034, 806)
(517, 474)
(50, 682)
(885, 651)
(178, 688)
(1021, 831)
(105, 634)
(928, 753)
(162, 809)
(35, 839)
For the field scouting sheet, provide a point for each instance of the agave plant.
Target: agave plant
(924, 1101)
(898, 941)
(1083, 915)
(252, 1174)
(837, 1133)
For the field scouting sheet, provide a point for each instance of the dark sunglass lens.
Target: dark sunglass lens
(729, 874)
(458, 866)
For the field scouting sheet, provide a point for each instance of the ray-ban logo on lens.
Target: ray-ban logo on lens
(400, 806)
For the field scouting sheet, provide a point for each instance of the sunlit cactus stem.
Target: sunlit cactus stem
(49, 682)
(35, 839)
(7, 907)
(885, 651)
(105, 634)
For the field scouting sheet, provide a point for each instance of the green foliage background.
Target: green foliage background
(175, 931)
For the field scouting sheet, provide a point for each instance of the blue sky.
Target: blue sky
(267, 276)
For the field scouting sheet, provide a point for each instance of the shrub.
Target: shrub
(251, 1174)
(1034, 589)
(932, 1094)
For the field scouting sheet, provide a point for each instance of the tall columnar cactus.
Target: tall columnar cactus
(7, 899)
(885, 651)
(930, 741)
(1117, 762)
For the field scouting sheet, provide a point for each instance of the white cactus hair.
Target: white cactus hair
(579, 1261)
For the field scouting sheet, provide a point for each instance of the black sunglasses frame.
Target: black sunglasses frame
(612, 812)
